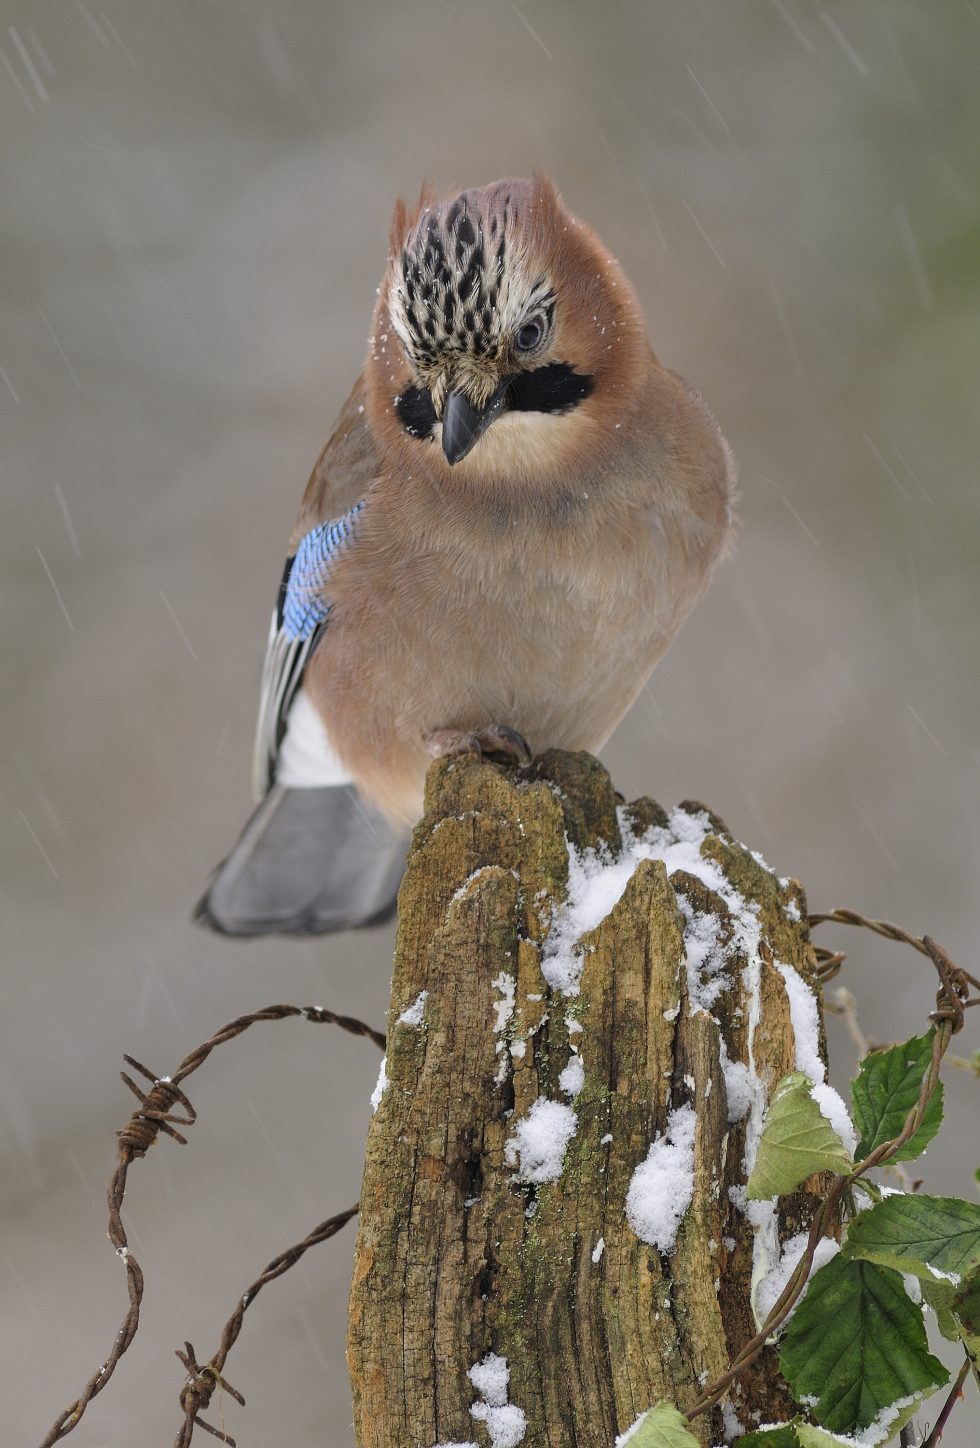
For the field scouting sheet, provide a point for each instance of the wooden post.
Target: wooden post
(500, 1160)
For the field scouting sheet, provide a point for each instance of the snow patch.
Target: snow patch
(624, 1438)
(706, 975)
(832, 1109)
(770, 1287)
(598, 1249)
(506, 1423)
(596, 883)
(805, 1018)
(541, 1140)
(379, 1089)
(738, 1086)
(505, 1006)
(662, 1185)
(415, 1013)
(491, 1377)
(733, 1428)
(572, 1078)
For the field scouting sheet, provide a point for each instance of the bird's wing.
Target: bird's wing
(344, 470)
(324, 529)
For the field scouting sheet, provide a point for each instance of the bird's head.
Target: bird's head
(499, 308)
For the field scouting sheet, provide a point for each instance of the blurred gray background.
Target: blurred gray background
(195, 200)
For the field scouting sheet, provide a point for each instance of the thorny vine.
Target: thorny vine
(952, 1000)
(155, 1114)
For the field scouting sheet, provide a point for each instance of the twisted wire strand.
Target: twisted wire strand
(154, 1114)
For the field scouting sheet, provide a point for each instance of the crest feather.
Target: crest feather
(405, 216)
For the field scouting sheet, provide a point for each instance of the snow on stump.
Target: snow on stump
(590, 1005)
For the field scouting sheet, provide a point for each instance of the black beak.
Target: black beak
(462, 423)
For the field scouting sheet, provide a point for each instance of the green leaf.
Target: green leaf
(939, 1296)
(934, 1237)
(797, 1140)
(780, 1435)
(884, 1092)
(966, 1311)
(957, 1310)
(799, 1434)
(811, 1437)
(662, 1426)
(856, 1345)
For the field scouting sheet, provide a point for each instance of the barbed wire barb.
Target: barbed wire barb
(202, 1381)
(154, 1114)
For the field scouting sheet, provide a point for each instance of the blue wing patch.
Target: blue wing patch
(304, 607)
(301, 614)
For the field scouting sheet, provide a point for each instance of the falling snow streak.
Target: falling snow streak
(178, 626)
(69, 525)
(17, 81)
(911, 248)
(28, 63)
(654, 217)
(531, 31)
(797, 29)
(718, 115)
(57, 590)
(924, 727)
(844, 43)
(92, 23)
(10, 386)
(33, 834)
(64, 355)
(787, 333)
(118, 39)
(704, 235)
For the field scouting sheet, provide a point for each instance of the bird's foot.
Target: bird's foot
(495, 739)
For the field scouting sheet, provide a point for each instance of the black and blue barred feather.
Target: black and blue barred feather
(298, 621)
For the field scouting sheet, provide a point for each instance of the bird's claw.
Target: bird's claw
(495, 739)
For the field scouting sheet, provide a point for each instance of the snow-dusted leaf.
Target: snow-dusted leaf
(966, 1310)
(957, 1310)
(884, 1092)
(856, 1346)
(777, 1435)
(939, 1296)
(797, 1140)
(933, 1237)
(661, 1427)
(799, 1434)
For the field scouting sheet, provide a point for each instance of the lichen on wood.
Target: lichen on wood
(464, 1247)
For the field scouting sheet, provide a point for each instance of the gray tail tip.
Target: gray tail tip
(234, 927)
(308, 862)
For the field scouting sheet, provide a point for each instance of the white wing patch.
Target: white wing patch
(300, 617)
(306, 758)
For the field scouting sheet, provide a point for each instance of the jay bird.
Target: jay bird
(516, 510)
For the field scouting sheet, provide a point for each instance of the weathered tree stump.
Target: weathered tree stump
(501, 1160)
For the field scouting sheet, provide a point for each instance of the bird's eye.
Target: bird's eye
(529, 335)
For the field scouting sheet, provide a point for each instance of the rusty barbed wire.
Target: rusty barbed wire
(154, 1114)
(829, 963)
(202, 1381)
(924, 944)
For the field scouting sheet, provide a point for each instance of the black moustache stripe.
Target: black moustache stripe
(414, 407)
(555, 388)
